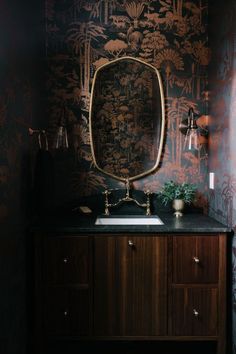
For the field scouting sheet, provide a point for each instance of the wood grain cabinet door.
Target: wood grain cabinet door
(194, 312)
(66, 311)
(67, 285)
(195, 259)
(66, 260)
(130, 286)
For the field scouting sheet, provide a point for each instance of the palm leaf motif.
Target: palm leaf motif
(81, 35)
(134, 10)
(82, 32)
(169, 57)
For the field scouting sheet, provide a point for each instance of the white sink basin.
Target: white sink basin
(128, 220)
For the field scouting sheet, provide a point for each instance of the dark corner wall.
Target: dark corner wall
(19, 92)
(222, 142)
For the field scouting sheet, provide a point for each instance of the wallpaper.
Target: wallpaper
(222, 145)
(169, 34)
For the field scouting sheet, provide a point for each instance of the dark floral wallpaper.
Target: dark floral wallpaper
(222, 145)
(169, 34)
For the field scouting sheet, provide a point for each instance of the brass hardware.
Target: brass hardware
(195, 312)
(107, 205)
(127, 198)
(196, 260)
(148, 211)
(65, 313)
(130, 243)
(65, 260)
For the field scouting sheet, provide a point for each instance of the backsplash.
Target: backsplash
(82, 35)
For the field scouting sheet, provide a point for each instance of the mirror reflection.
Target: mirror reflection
(127, 118)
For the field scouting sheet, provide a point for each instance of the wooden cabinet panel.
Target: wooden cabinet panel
(66, 311)
(105, 293)
(194, 311)
(66, 260)
(195, 259)
(130, 286)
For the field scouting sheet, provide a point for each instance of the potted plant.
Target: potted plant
(178, 194)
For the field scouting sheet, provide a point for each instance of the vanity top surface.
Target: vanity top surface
(76, 222)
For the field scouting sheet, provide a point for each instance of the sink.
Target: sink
(128, 220)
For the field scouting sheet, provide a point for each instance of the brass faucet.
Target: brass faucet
(127, 198)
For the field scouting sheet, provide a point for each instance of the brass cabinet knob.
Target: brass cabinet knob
(195, 312)
(65, 313)
(130, 243)
(196, 260)
(65, 260)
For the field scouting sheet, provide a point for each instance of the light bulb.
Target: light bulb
(191, 142)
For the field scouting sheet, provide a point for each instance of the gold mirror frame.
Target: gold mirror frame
(162, 104)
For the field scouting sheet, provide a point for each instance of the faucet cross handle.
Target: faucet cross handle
(106, 193)
(148, 193)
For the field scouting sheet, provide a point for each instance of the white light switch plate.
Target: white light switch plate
(212, 180)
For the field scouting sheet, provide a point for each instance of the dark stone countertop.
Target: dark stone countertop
(76, 222)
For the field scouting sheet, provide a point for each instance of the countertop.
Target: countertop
(76, 222)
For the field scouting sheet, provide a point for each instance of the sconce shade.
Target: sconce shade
(61, 139)
(191, 140)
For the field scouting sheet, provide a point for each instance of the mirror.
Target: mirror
(126, 118)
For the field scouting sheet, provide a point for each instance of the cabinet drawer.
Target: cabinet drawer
(66, 260)
(195, 259)
(194, 312)
(66, 311)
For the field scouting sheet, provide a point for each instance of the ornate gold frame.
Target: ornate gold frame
(124, 179)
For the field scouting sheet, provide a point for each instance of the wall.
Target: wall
(222, 144)
(82, 35)
(18, 96)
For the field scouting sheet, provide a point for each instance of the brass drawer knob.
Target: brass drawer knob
(65, 260)
(196, 260)
(65, 313)
(130, 243)
(195, 312)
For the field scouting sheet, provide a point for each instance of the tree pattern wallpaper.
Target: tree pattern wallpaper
(222, 145)
(169, 34)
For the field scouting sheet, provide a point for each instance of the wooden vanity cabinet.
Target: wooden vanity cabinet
(131, 286)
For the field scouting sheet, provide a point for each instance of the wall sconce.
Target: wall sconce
(61, 138)
(192, 132)
(42, 137)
